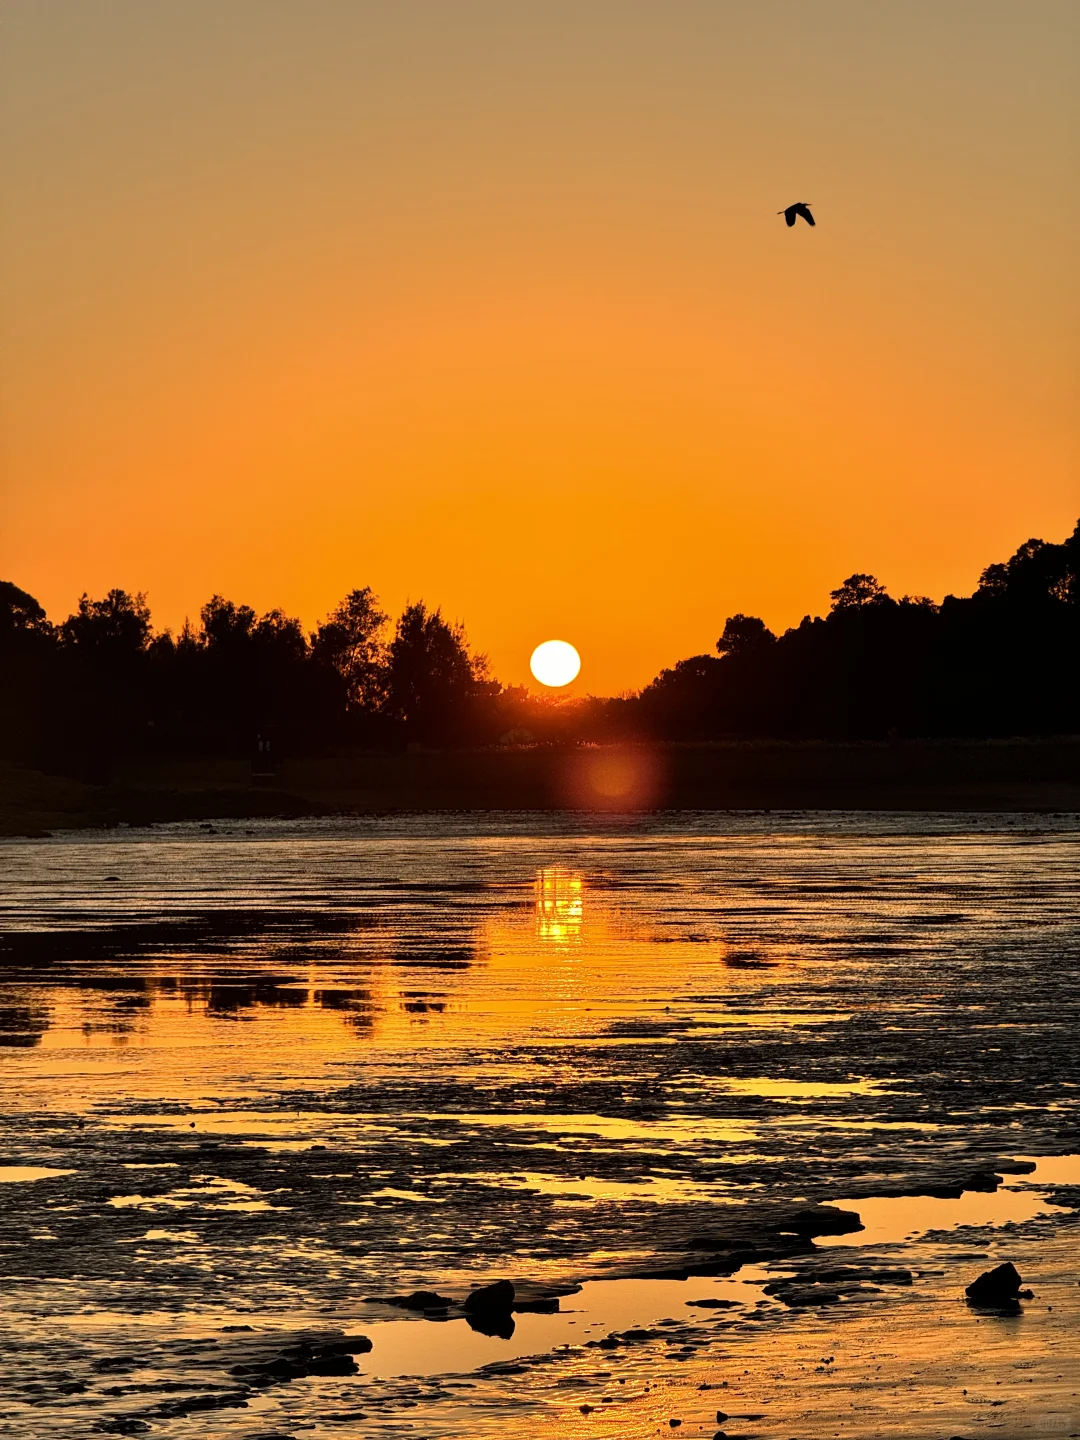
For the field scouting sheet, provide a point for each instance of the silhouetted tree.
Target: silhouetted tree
(434, 686)
(20, 615)
(115, 629)
(858, 590)
(250, 674)
(350, 642)
(27, 674)
(103, 670)
(744, 635)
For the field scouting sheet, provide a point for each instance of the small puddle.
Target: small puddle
(889, 1220)
(422, 1347)
(19, 1174)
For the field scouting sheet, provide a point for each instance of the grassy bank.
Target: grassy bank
(1016, 775)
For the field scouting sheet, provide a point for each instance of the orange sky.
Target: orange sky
(486, 302)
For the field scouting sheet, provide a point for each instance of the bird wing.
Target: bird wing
(805, 213)
(789, 214)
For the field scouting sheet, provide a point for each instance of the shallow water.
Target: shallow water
(250, 1077)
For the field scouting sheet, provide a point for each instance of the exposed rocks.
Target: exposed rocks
(823, 1220)
(797, 1295)
(497, 1299)
(998, 1288)
(828, 1284)
(1067, 1196)
(983, 1180)
(418, 1300)
(294, 1362)
(946, 1185)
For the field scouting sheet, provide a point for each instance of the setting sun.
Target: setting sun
(555, 663)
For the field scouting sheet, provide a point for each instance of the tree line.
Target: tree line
(1002, 661)
(102, 684)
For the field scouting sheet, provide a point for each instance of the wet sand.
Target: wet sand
(253, 1080)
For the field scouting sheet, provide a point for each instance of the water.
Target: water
(255, 1076)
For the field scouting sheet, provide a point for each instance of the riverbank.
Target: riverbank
(1032, 776)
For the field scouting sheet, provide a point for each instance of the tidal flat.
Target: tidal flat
(739, 1103)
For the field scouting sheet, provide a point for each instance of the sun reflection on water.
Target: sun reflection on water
(560, 906)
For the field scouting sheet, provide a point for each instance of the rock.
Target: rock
(808, 1295)
(720, 1417)
(1000, 1286)
(542, 1305)
(674, 1424)
(497, 1299)
(712, 1304)
(822, 1220)
(294, 1362)
(983, 1180)
(419, 1300)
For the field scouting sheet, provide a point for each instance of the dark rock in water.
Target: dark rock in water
(497, 1299)
(823, 1220)
(983, 1180)
(713, 1304)
(808, 1295)
(848, 1279)
(1000, 1286)
(351, 1345)
(1067, 1196)
(192, 1404)
(543, 1305)
(418, 1300)
(721, 1416)
(295, 1362)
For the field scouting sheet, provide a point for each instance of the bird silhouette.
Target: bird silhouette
(792, 213)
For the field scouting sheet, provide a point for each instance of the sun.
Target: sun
(555, 663)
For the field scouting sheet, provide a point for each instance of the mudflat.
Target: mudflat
(740, 1104)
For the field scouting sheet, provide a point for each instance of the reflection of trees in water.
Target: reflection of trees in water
(355, 1007)
(22, 1026)
(442, 950)
(229, 997)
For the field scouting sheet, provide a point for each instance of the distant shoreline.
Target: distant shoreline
(1029, 776)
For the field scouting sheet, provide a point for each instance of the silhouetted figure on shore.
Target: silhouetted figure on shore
(792, 213)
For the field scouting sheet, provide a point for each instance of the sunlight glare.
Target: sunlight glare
(555, 663)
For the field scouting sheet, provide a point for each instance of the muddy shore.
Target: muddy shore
(261, 1078)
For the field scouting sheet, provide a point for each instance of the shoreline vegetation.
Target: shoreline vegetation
(882, 703)
(1016, 775)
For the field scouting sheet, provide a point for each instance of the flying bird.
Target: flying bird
(792, 213)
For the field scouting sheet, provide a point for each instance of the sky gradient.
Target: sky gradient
(487, 303)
